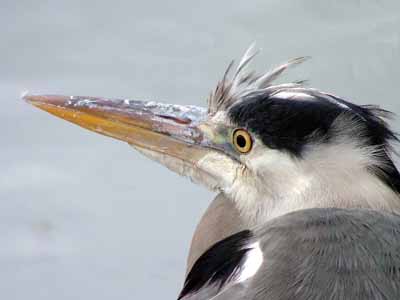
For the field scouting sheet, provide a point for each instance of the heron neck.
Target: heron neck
(289, 193)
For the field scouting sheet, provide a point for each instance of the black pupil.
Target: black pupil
(241, 141)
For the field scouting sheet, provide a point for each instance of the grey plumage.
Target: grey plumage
(326, 253)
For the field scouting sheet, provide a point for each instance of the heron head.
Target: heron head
(271, 148)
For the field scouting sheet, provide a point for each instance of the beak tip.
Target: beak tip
(25, 96)
(39, 100)
(30, 98)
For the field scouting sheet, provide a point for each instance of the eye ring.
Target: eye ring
(242, 140)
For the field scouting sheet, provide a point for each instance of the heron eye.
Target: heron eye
(242, 140)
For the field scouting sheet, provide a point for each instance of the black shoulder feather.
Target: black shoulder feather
(218, 264)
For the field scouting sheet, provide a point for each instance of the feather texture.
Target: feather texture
(309, 254)
(231, 89)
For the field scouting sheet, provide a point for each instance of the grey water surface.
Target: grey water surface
(83, 216)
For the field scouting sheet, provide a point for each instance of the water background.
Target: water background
(83, 216)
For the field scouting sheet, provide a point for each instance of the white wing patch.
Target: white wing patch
(253, 262)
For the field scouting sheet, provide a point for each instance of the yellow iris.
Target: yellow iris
(242, 141)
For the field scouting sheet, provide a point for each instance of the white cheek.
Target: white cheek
(221, 167)
(262, 159)
(328, 175)
(280, 172)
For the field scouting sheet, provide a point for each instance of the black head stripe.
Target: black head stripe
(289, 124)
(285, 124)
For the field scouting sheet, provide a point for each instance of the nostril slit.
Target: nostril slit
(176, 119)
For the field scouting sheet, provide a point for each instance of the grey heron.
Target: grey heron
(309, 194)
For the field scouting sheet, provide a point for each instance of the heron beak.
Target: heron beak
(171, 134)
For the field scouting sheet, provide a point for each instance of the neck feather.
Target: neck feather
(328, 177)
